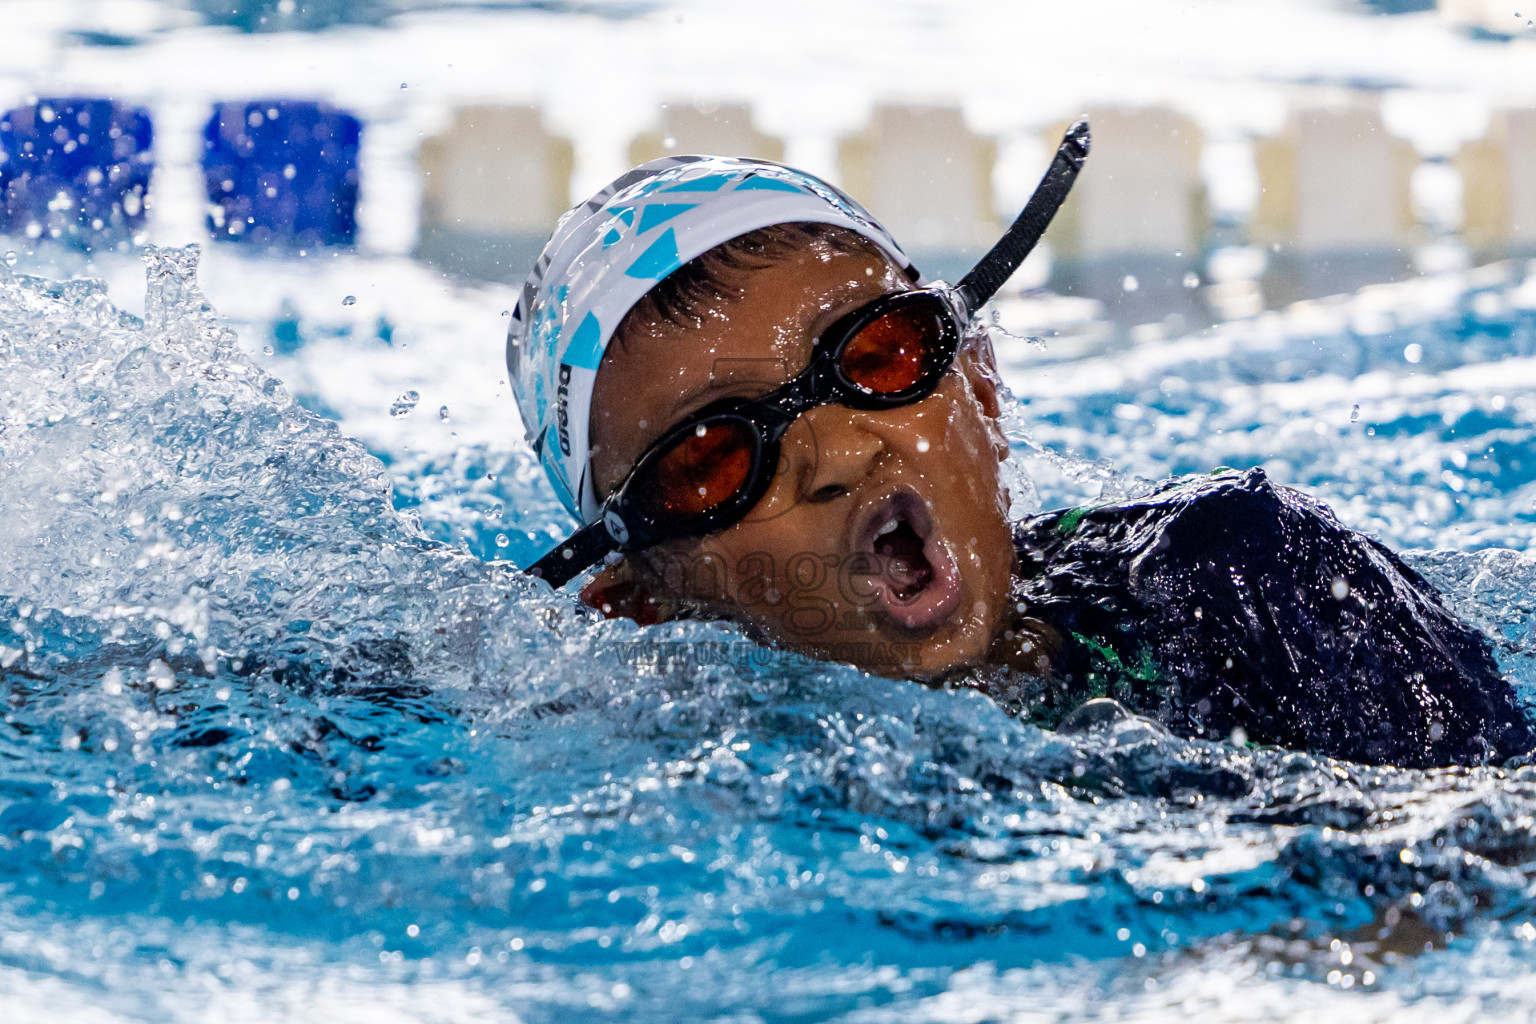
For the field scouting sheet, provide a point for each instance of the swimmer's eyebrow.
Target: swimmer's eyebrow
(728, 375)
(766, 370)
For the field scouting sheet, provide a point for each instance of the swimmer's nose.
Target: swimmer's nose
(831, 449)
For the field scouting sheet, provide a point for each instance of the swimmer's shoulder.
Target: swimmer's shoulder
(1224, 496)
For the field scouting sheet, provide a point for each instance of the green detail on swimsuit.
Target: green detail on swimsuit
(1144, 671)
(1131, 684)
(1140, 685)
(1072, 518)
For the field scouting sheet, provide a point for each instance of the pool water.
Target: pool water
(287, 737)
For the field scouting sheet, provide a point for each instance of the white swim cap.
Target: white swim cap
(608, 252)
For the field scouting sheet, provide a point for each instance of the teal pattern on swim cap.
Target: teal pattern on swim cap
(608, 252)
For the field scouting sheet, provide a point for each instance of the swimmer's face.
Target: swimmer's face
(883, 538)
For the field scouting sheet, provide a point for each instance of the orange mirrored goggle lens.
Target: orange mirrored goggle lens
(703, 470)
(894, 353)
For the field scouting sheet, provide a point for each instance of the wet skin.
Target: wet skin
(883, 539)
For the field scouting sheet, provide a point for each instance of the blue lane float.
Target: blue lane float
(76, 170)
(282, 173)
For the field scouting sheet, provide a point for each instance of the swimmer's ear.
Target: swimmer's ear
(979, 364)
(626, 590)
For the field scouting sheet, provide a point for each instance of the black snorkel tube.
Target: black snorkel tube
(986, 277)
(594, 541)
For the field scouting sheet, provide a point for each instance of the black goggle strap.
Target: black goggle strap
(984, 279)
(584, 549)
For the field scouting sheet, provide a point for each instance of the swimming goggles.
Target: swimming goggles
(710, 469)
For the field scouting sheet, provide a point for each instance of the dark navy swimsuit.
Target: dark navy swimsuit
(1226, 602)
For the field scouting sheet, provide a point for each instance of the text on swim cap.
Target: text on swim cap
(562, 418)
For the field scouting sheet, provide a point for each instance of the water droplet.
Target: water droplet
(495, 511)
(1130, 284)
(1354, 413)
(403, 85)
(1340, 588)
(506, 312)
(350, 300)
(266, 350)
(1413, 353)
(442, 413)
(403, 405)
(160, 674)
(922, 444)
(11, 257)
(502, 540)
(1191, 280)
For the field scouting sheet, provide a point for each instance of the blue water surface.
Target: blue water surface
(287, 738)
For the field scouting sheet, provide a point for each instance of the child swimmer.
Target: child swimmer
(739, 383)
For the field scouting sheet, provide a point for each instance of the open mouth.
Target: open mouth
(907, 571)
(918, 580)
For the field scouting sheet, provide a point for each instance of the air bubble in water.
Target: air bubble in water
(1354, 413)
(1191, 280)
(404, 404)
(495, 511)
(11, 257)
(350, 300)
(266, 350)
(502, 540)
